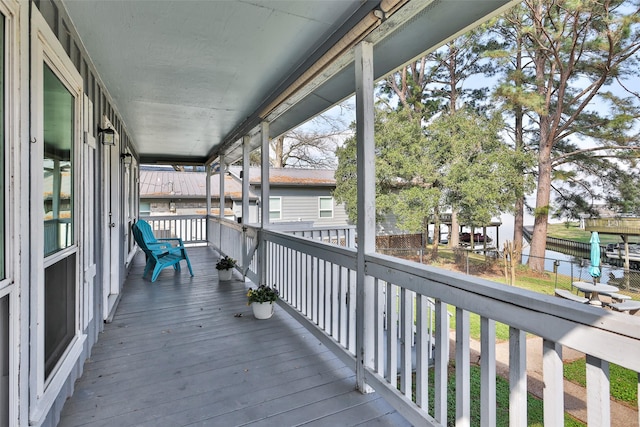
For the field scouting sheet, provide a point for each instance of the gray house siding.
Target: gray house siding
(303, 204)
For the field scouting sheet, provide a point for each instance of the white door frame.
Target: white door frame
(111, 223)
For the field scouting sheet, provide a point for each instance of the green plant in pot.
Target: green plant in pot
(225, 267)
(261, 300)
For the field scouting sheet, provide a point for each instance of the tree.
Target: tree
(623, 192)
(457, 161)
(434, 84)
(312, 145)
(576, 53)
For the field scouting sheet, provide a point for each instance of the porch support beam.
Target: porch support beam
(264, 200)
(365, 316)
(246, 146)
(222, 201)
(207, 186)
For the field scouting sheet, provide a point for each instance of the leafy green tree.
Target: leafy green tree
(435, 84)
(573, 54)
(458, 161)
(623, 193)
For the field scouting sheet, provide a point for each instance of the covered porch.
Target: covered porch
(205, 83)
(187, 351)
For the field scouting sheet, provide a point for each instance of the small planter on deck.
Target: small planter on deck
(225, 268)
(262, 301)
(225, 275)
(262, 310)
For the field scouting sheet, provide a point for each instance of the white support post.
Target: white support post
(245, 198)
(365, 316)
(264, 200)
(553, 392)
(208, 191)
(222, 201)
(517, 377)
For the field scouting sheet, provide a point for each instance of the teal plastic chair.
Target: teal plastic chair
(161, 253)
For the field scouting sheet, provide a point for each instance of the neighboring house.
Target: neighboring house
(169, 192)
(299, 195)
(295, 195)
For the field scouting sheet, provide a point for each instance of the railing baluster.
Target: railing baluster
(423, 342)
(488, 372)
(517, 378)
(463, 374)
(598, 401)
(441, 362)
(553, 392)
(352, 311)
(392, 336)
(380, 307)
(406, 327)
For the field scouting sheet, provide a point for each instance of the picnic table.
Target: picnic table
(591, 291)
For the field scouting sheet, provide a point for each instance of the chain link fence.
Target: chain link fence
(566, 272)
(562, 272)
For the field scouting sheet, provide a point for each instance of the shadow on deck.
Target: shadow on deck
(176, 354)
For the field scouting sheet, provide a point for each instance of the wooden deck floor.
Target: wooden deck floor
(177, 355)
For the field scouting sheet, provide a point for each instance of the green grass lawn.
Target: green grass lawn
(534, 405)
(623, 382)
(571, 231)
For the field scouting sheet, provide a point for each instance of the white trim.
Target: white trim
(46, 49)
(12, 170)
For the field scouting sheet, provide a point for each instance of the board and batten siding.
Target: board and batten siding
(303, 204)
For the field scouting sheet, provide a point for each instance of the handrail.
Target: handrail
(317, 281)
(192, 229)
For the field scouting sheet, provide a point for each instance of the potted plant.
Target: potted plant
(261, 301)
(225, 267)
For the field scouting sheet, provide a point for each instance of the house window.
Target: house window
(326, 207)
(275, 207)
(58, 203)
(145, 208)
(58, 164)
(2, 151)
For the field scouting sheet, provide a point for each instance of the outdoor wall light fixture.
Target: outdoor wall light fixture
(126, 158)
(107, 136)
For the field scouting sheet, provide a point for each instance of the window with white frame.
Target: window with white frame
(2, 151)
(275, 207)
(56, 339)
(325, 205)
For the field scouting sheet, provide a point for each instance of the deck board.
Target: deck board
(177, 354)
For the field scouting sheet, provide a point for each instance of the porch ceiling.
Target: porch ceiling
(189, 78)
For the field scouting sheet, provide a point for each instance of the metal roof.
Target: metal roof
(190, 78)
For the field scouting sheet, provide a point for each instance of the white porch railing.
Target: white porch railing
(318, 281)
(192, 229)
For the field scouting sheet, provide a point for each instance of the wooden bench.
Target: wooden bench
(563, 293)
(617, 297)
(631, 306)
(159, 254)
